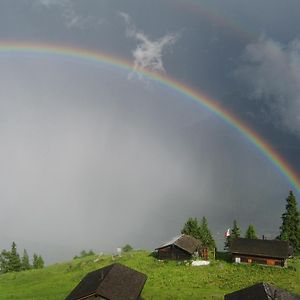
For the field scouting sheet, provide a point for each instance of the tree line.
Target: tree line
(199, 230)
(11, 261)
(235, 233)
(289, 230)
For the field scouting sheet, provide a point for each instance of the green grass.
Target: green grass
(166, 280)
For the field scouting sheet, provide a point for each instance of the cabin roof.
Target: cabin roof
(184, 242)
(266, 248)
(261, 291)
(113, 282)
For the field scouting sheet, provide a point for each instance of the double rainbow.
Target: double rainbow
(200, 98)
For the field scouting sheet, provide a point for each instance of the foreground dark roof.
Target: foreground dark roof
(114, 282)
(266, 248)
(184, 242)
(261, 291)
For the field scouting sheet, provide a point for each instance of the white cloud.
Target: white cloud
(49, 3)
(71, 17)
(149, 53)
(273, 72)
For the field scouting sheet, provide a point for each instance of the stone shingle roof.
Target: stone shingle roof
(265, 248)
(184, 242)
(114, 282)
(261, 291)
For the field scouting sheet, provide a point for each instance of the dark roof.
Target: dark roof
(113, 282)
(184, 242)
(261, 291)
(266, 248)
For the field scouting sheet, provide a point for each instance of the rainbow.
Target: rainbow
(201, 99)
(208, 12)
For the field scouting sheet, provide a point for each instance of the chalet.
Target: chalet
(266, 252)
(180, 248)
(261, 291)
(113, 282)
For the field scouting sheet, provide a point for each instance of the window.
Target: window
(238, 260)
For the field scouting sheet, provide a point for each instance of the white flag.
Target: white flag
(227, 233)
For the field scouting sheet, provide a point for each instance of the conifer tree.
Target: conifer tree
(38, 262)
(14, 262)
(25, 264)
(199, 231)
(205, 235)
(4, 261)
(251, 233)
(191, 227)
(290, 228)
(235, 233)
(35, 261)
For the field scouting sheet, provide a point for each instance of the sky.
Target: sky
(95, 156)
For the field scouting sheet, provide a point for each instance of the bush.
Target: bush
(127, 248)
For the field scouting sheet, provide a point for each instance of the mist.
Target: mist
(93, 160)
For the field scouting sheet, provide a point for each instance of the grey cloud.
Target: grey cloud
(272, 71)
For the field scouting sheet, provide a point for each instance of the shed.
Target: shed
(180, 248)
(113, 282)
(261, 291)
(266, 252)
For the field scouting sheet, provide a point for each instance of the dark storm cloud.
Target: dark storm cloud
(85, 160)
(272, 71)
(90, 159)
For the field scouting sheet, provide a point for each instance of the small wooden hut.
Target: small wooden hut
(181, 248)
(266, 252)
(261, 291)
(114, 282)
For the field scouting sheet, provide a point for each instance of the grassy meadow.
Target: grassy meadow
(166, 280)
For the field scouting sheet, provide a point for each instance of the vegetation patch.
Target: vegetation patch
(166, 279)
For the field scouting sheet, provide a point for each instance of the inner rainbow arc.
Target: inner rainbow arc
(198, 97)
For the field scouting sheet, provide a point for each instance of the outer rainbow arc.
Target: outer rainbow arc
(200, 98)
(195, 7)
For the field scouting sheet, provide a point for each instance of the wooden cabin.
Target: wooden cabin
(265, 252)
(181, 248)
(261, 291)
(114, 282)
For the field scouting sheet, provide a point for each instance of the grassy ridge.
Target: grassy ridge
(166, 280)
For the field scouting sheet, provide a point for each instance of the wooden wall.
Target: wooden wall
(270, 261)
(173, 252)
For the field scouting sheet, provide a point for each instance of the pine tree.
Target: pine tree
(251, 233)
(14, 261)
(35, 261)
(205, 235)
(199, 231)
(290, 228)
(38, 262)
(235, 233)
(4, 261)
(25, 264)
(191, 227)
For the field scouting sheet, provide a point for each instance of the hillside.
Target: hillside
(166, 280)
